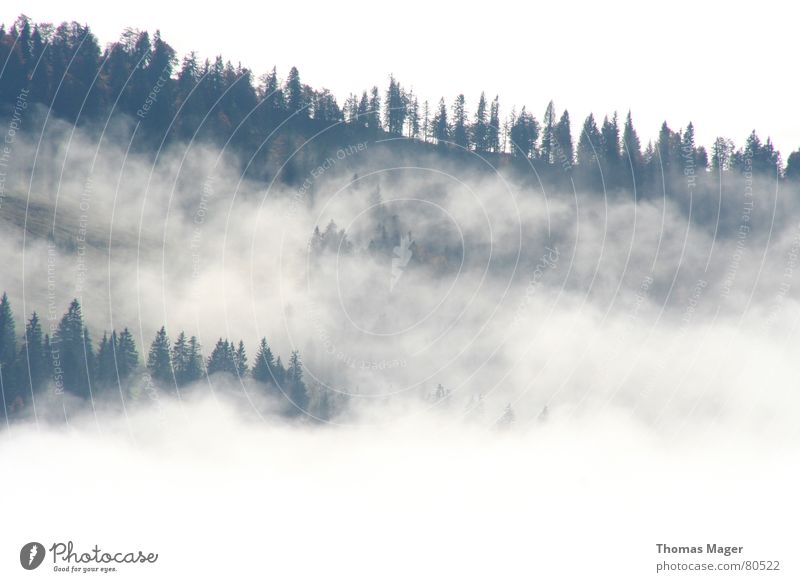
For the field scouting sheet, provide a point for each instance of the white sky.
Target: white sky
(725, 68)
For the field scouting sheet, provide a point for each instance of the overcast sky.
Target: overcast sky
(725, 68)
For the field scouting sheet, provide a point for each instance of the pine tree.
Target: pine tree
(194, 368)
(263, 369)
(33, 360)
(374, 113)
(459, 131)
(395, 111)
(222, 359)
(8, 338)
(524, 133)
(480, 127)
(441, 129)
(295, 387)
(127, 356)
(610, 150)
(413, 118)
(792, 171)
(493, 137)
(426, 122)
(548, 134)
(106, 374)
(75, 351)
(240, 359)
(180, 358)
(158, 358)
(562, 137)
(588, 143)
(632, 148)
(293, 90)
(363, 111)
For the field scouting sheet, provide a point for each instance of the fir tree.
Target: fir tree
(158, 358)
(263, 369)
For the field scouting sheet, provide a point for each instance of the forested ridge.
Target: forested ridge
(64, 69)
(64, 72)
(70, 362)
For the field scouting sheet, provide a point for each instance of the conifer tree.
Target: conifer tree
(32, 361)
(562, 137)
(441, 129)
(158, 358)
(8, 338)
(588, 143)
(459, 131)
(631, 148)
(127, 356)
(295, 387)
(240, 359)
(480, 127)
(493, 137)
(263, 369)
(75, 351)
(293, 91)
(222, 359)
(548, 134)
(374, 113)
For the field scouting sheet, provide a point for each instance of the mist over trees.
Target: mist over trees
(70, 363)
(64, 69)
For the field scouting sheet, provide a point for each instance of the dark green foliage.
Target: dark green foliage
(32, 362)
(459, 131)
(8, 339)
(294, 386)
(240, 359)
(159, 362)
(75, 352)
(264, 367)
(222, 359)
(480, 127)
(127, 358)
(524, 134)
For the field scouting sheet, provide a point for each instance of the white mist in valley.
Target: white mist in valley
(609, 364)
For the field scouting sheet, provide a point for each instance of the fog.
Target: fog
(645, 345)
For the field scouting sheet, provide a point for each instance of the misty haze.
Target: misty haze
(221, 281)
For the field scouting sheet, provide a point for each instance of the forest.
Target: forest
(64, 70)
(69, 362)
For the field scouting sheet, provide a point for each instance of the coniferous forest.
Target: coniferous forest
(62, 70)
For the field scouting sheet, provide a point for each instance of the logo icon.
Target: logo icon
(31, 555)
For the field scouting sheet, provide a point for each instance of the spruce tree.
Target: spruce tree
(296, 388)
(180, 358)
(240, 359)
(562, 137)
(222, 359)
(127, 356)
(589, 144)
(459, 131)
(441, 129)
(263, 369)
(33, 360)
(631, 148)
(8, 338)
(548, 135)
(158, 358)
(493, 137)
(75, 351)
